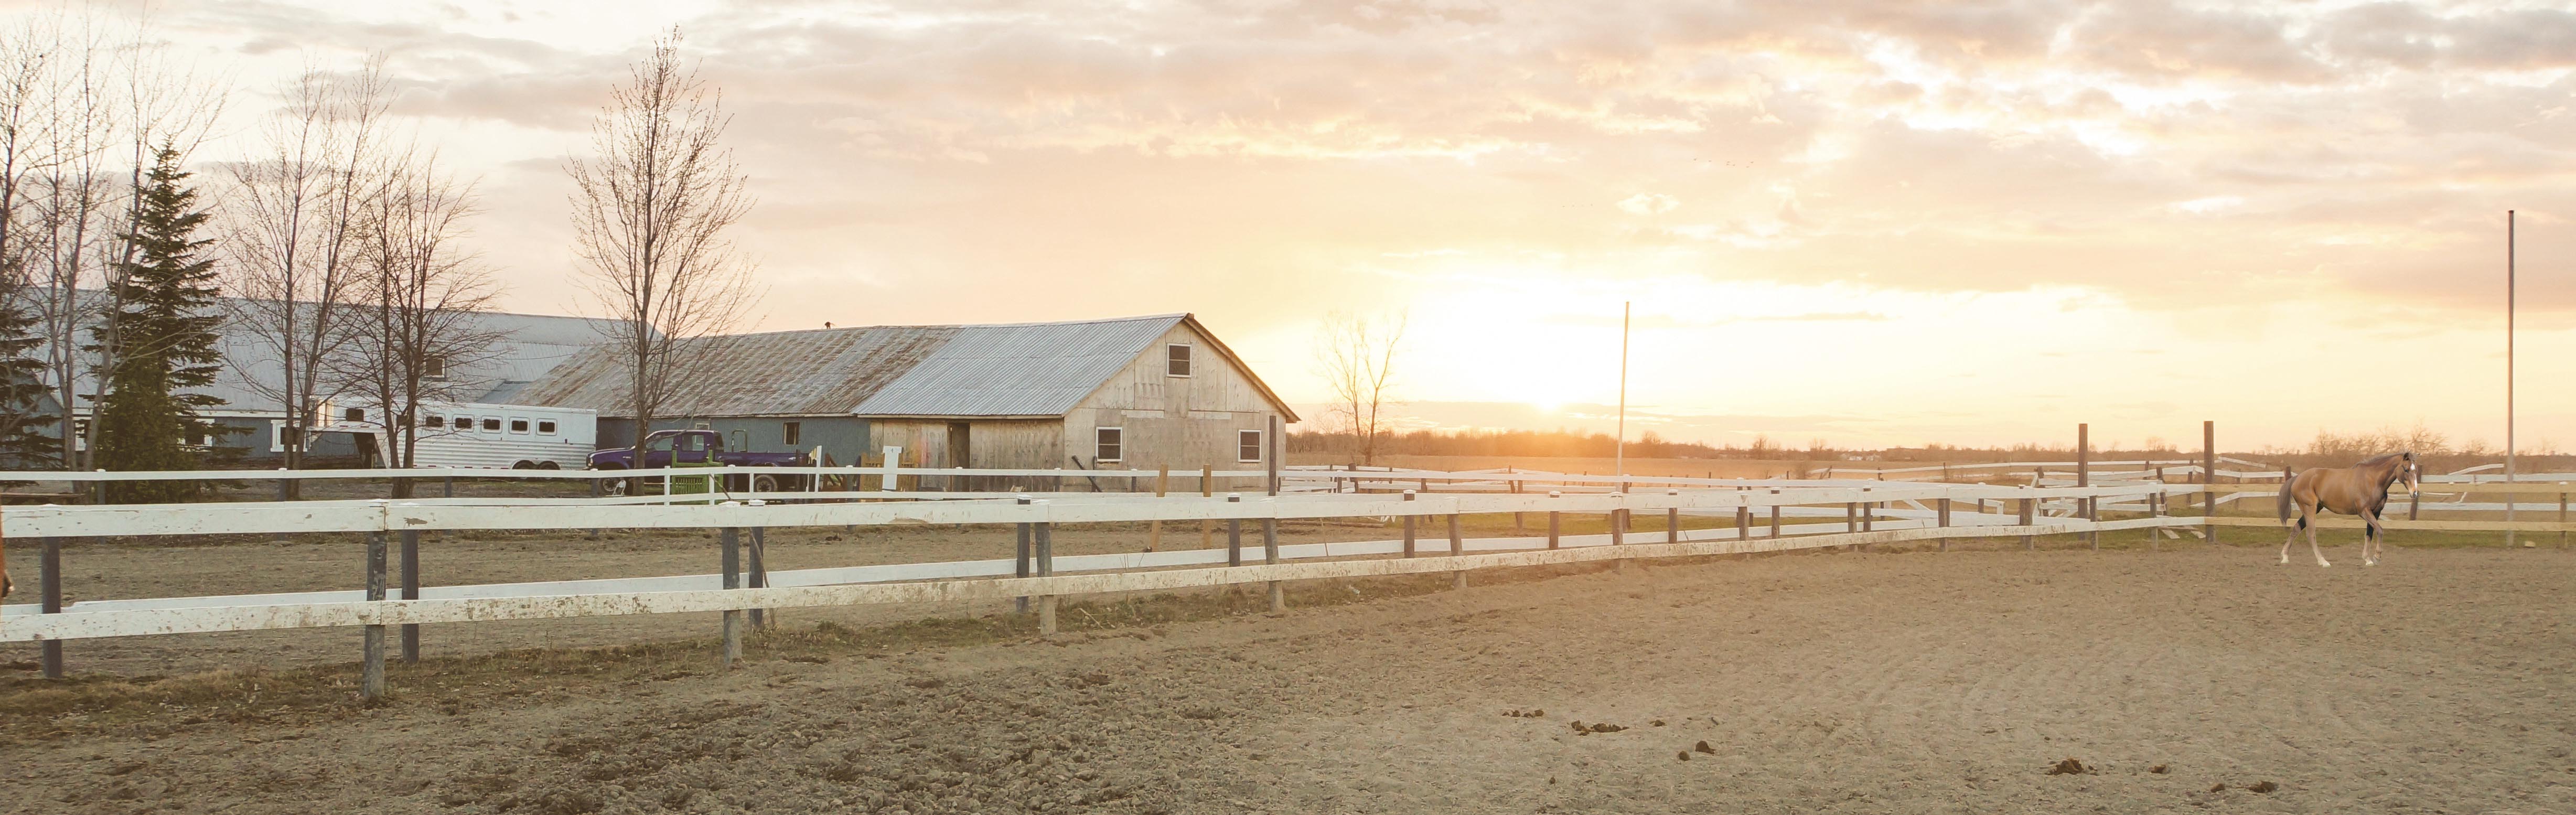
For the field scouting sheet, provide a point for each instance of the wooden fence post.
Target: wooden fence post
(1851, 516)
(2209, 477)
(2029, 514)
(371, 683)
(1743, 517)
(1943, 508)
(729, 545)
(2084, 478)
(1457, 547)
(1234, 532)
(49, 594)
(1408, 527)
(1672, 519)
(1045, 535)
(2562, 514)
(411, 591)
(1270, 555)
(1021, 560)
(1207, 489)
(757, 574)
(1154, 530)
(1775, 515)
(1553, 527)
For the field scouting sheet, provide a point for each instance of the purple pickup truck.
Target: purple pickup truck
(706, 447)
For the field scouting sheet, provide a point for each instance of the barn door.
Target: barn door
(957, 452)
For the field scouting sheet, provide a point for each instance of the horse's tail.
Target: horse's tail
(2287, 484)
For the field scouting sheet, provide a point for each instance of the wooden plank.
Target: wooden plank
(371, 678)
(393, 612)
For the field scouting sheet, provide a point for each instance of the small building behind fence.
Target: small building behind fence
(1128, 393)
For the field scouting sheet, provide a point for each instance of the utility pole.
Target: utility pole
(2509, 497)
(1619, 456)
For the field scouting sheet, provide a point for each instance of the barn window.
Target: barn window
(795, 432)
(546, 428)
(518, 425)
(1110, 445)
(433, 366)
(1179, 356)
(1247, 445)
(355, 414)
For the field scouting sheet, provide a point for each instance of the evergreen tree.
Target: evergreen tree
(159, 342)
(23, 444)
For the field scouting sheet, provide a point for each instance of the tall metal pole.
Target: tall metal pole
(1619, 458)
(2508, 370)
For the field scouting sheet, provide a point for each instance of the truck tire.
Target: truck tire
(764, 483)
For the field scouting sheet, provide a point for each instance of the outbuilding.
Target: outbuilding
(1127, 393)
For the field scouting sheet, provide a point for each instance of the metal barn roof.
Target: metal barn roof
(1029, 369)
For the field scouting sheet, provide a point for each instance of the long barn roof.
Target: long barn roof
(1018, 369)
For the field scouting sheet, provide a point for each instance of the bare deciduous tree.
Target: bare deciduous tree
(417, 312)
(89, 101)
(650, 212)
(296, 213)
(1356, 356)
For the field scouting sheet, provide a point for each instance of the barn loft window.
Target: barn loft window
(1110, 445)
(355, 414)
(795, 432)
(1179, 356)
(1247, 445)
(433, 366)
(545, 428)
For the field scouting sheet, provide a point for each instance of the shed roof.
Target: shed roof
(1015, 369)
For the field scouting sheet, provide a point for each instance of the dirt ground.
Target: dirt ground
(2207, 678)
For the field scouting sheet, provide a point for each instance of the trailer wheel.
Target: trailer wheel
(522, 465)
(764, 483)
(548, 465)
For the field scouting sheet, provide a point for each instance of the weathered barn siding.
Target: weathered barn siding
(1173, 421)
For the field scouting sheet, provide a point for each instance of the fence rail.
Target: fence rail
(1873, 512)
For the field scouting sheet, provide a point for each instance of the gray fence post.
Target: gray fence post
(49, 592)
(1045, 539)
(1270, 554)
(1944, 509)
(1234, 531)
(1408, 527)
(758, 573)
(2028, 515)
(372, 680)
(1673, 519)
(730, 542)
(1022, 562)
(1775, 515)
(1552, 518)
(411, 591)
(1457, 547)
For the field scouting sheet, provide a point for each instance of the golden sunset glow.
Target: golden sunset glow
(1873, 223)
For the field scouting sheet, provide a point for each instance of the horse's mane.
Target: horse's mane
(2378, 459)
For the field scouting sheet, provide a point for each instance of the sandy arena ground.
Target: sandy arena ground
(2444, 681)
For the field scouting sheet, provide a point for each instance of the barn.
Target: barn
(1125, 393)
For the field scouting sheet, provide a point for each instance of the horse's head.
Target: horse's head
(2412, 473)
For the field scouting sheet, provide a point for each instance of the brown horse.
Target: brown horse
(2359, 490)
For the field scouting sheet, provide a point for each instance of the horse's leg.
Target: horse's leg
(2374, 538)
(2293, 538)
(2312, 541)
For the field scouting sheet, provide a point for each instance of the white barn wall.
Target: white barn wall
(1179, 422)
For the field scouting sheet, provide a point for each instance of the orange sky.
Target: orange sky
(1870, 222)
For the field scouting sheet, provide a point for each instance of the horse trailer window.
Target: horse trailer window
(432, 421)
(518, 425)
(464, 422)
(1179, 360)
(545, 428)
(1247, 445)
(1109, 446)
(491, 424)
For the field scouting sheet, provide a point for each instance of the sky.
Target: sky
(1871, 223)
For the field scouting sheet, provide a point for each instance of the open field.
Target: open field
(1856, 682)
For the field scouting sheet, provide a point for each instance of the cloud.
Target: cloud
(1647, 203)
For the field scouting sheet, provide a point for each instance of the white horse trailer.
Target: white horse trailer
(517, 437)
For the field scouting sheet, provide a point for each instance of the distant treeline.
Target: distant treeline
(2434, 450)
